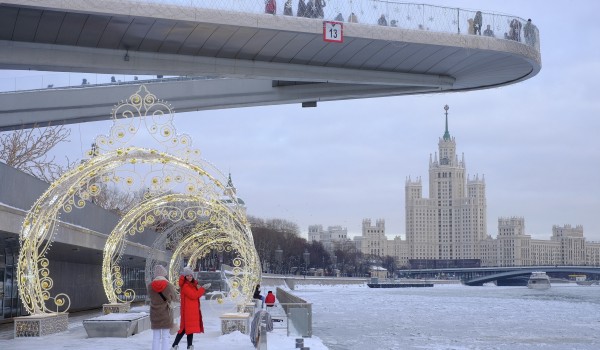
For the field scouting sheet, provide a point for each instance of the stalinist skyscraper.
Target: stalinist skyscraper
(452, 221)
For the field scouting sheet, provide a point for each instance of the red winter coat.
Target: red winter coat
(270, 299)
(191, 316)
(270, 7)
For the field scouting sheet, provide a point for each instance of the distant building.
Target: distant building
(450, 227)
(452, 221)
(378, 272)
(374, 240)
(230, 194)
(513, 247)
(335, 237)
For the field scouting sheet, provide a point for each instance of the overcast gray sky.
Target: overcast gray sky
(336, 164)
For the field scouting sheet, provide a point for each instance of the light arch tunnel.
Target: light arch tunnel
(74, 188)
(210, 226)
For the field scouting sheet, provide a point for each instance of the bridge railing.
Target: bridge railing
(369, 12)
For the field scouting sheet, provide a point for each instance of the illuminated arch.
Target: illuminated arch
(177, 208)
(246, 267)
(114, 161)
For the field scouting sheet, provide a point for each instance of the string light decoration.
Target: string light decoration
(183, 208)
(177, 185)
(246, 267)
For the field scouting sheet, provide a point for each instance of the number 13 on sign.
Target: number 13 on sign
(333, 32)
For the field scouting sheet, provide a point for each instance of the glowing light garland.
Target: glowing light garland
(179, 188)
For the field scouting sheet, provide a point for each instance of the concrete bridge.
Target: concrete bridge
(241, 57)
(505, 277)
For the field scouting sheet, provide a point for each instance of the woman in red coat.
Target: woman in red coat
(191, 315)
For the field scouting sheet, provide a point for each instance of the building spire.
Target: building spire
(229, 182)
(446, 134)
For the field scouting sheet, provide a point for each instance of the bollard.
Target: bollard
(299, 343)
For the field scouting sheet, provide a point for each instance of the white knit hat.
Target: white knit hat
(160, 271)
(187, 271)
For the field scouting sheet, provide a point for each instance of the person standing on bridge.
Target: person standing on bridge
(270, 7)
(319, 4)
(287, 8)
(301, 12)
(488, 32)
(477, 23)
(529, 31)
(310, 9)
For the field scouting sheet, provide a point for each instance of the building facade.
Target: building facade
(452, 221)
(333, 238)
(512, 247)
(451, 224)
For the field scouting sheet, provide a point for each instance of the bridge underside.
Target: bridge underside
(251, 59)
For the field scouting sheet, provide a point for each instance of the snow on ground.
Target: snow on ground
(445, 317)
(76, 337)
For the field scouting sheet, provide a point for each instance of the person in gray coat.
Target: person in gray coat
(161, 293)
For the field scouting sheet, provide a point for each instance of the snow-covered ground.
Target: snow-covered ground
(356, 317)
(76, 337)
(566, 316)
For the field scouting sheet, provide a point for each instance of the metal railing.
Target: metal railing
(372, 12)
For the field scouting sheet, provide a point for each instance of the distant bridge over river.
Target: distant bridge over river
(501, 275)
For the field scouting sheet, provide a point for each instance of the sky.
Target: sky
(345, 161)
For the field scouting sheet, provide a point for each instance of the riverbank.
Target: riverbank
(293, 282)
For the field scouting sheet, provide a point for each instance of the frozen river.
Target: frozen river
(456, 317)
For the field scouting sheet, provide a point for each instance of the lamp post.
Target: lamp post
(334, 262)
(278, 256)
(306, 256)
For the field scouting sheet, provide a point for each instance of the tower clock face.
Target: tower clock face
(444, 161)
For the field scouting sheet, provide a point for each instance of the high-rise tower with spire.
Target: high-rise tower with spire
(451, 222)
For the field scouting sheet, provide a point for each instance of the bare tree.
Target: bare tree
(115, 200)
(27, 150)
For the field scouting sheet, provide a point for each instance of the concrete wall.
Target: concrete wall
(81, 282)
(291, 281)
(20, 190)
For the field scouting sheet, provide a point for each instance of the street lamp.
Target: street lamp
(278, 257)
(306, 256)
(334, 262)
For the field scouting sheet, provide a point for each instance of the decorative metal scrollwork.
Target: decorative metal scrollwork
(177, 185)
